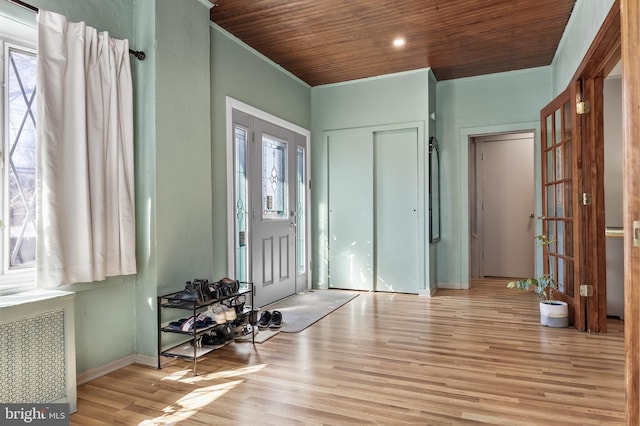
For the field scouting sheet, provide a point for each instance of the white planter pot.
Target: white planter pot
(554, 314)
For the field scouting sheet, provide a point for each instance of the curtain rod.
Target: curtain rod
(139, 54)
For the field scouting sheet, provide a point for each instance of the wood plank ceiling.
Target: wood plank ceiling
(331, 41)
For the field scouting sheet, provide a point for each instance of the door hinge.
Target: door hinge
(636, 233)
(586, 290)
(586, 199)
(583, 107)
(309, 184)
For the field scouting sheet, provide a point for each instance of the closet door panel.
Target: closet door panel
(397, 233)
(351, 239)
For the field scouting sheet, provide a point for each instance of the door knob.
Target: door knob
(532, 215)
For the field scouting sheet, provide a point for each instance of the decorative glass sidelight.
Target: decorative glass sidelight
(301, 252)
(241, 206)
(21, 86)
(275, 198)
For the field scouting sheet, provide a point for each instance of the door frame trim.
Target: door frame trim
(603, 54)
(478, 140)
(234, 104)
(465, 218)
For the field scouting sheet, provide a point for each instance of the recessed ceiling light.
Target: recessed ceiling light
(398, 42)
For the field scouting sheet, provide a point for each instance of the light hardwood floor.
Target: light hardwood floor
(461, 357)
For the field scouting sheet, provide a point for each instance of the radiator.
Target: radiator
(37, 348)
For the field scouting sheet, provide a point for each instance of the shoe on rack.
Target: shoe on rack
(276, 320)
(247, 333)
(212, 340)
(187, 326)
(216, 312)
(203, 320)
(229, 313)
(237, 325)
(226, 333)
(188, 297)
(176, 325)
(264, 320)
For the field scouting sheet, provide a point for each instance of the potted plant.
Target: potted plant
(553, 313)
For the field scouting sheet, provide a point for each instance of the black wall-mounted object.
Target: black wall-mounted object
(434, 190)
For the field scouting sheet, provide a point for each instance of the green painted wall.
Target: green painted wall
(183, 144)
(391, 99)
(117, 317)
(239, 72)
(470, 106)
(144, 74)
(175, 178)
(586, 19)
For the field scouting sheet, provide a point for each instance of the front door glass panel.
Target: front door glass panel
(275, 188)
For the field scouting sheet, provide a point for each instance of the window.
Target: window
(17, 156)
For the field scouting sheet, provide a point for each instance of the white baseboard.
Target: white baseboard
(149, 361)
(454, 286)
(426, 292)
(94, 373)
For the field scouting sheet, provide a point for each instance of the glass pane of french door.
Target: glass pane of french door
(557, 197)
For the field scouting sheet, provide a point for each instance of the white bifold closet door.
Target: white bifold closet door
(375, 239)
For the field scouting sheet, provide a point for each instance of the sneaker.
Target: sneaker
(226, 333)
(276, 320)
(212, 340)
(215, 314)
(218, 314)
(237, 325)
(247, 333)
(264, 320)
(229, 313)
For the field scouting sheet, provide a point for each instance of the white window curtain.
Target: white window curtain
(85, 183)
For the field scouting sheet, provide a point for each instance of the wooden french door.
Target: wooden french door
(561, 200)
